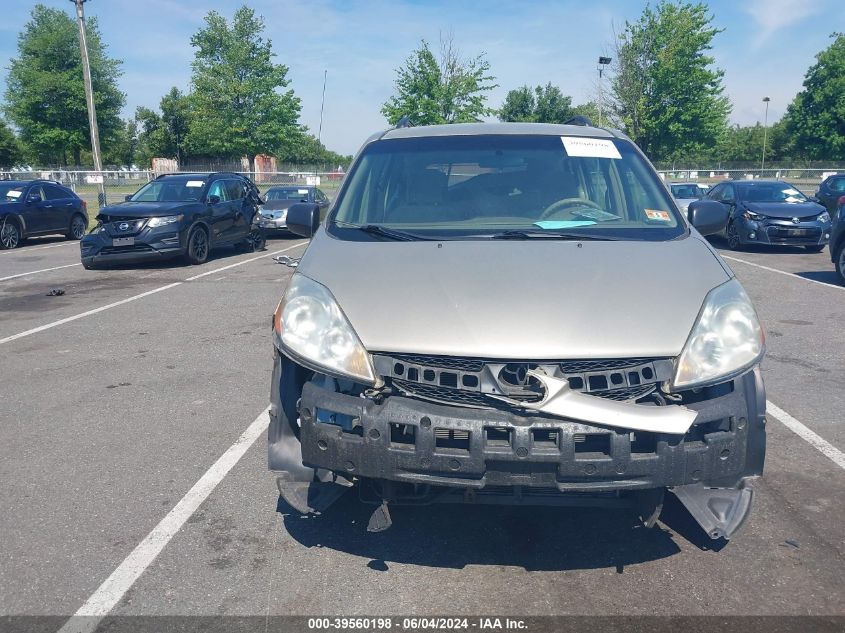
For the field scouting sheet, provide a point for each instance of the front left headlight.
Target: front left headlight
(726, 340)
(164, 220)
(823, 217)
(313, 328)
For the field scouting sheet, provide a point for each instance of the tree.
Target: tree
(10, 150)
(449, 90)
(547, 104)
(123, 151)
(664, 91)
(175, 119)
(236, 106)
(45, 94)
(816, 117)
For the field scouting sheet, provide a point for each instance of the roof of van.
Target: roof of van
(467, 129)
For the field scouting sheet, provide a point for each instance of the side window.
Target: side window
(728, 193)
(35, 190)
(234, 189)
(218, 188)
(321, 197)
(838, 185)
(52, 192)
(716, 192)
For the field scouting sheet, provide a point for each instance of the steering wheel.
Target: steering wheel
(560, 205)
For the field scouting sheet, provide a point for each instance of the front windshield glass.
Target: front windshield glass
(287, 194)
(770, 192)
(11, 193)
(464, 187)
(687, 191)
(170, 190)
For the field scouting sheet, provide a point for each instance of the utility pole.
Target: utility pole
(89, 99)
(765, 133)
(603, 61)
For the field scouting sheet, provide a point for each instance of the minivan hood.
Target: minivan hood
(785, 209)
(527, 300)
(146, 209)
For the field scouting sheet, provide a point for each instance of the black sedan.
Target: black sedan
(837, 242)
(274, 211)
(771, 212)
(830, 190)
(177, 215)
(39, 207)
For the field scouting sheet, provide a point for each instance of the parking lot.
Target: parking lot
(121, 394)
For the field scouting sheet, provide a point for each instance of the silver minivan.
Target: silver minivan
(515, 313)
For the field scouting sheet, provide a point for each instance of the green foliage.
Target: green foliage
(235, 105)
(816, 117)
(45, 93)
(123, 151)
(547, 104)
(519, 105)
(307, 150)
(664, 92)
(10, 150)
(448, 90)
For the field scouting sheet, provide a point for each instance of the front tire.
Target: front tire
(78, 226)
(814, 249)
(840, 262)
(10, 234)
(734, 240)
(255, 241)
(198, 246)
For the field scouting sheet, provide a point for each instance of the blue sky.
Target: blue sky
(765, 49)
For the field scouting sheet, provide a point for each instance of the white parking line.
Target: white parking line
(782, 272)
(82, 315)
(811, 437)
(35, 272)
(103, 600)
(36, 248)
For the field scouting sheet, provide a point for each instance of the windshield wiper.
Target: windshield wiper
(555, 235)
(381, 231)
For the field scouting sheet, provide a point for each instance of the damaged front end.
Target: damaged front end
(570, 432)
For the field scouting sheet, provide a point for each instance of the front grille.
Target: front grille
(474, 382)
(134, 248)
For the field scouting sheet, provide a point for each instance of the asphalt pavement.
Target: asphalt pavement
(119, 396)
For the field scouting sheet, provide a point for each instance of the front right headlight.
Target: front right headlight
(164, 220)
(312, 327)
(726, 340)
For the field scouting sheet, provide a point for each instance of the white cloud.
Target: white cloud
(773, 15)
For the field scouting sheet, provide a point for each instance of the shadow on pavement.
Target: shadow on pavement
(453, 536)
(825, 276)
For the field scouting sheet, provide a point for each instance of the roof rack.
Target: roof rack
(405, 121)
(579, 119)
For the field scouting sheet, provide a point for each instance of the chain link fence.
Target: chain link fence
(806, 179)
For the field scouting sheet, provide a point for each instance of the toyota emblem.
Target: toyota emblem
(125, 225)
(795, 220)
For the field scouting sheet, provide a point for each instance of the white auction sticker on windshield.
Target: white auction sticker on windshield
(582, 146)
(13, 194)
(195, 183)
(301, 191)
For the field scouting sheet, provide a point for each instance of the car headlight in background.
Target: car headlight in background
(164, 220)
(313, 328)
(757, 217)
(824, 217)
(726, 340)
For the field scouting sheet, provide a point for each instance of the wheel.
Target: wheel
(78, 225)
(840, 262)
(197, 251)
(734, 241)
(10, 234)
(815, 249)
(255, 241)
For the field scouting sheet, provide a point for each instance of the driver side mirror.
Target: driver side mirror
(708, 216)
(33, 198)
(213, 199)
(127, 197)
(303, 218)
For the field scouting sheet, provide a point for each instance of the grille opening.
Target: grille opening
(576, 382)
(633, 378)
(495, 436)
(698, 432)
(453, 439)
(399, 369)
(428, 375)
(647, 373)
(448, 379)
(597, 382)
(643, 442)
(592, 445)
(413, 374)
(402, 435)
(545, 438)
(617, 379)
(469, 380)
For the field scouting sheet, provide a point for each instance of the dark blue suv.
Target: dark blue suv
(177, 215)
(39, 207)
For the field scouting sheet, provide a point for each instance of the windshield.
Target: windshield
(770, 192)
(11, 193)
(687, 191)
(458, 187)
(287, 194)
(170, 190)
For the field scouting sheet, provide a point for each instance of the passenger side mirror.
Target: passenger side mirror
(707, 216)
(213, 199)
(303, 218)
(127, 197)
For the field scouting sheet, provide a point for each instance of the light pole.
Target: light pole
(765, 134)
(89, 99)
(603, 61)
